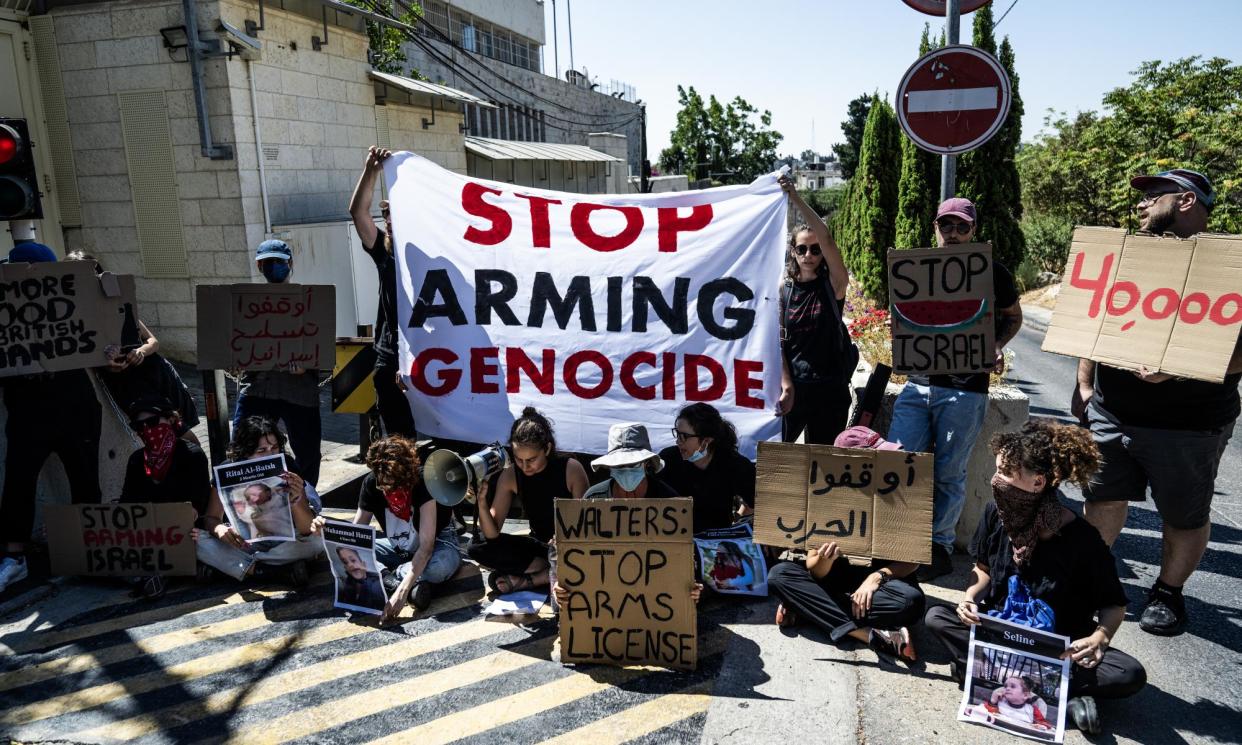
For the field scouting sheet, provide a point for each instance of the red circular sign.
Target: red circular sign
(952, 100)
(937, 7)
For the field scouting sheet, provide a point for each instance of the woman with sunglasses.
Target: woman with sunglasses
(815, 394)
(706, 466)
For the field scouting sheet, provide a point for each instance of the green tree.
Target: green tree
(865, 224)
(918, 189)
(855, 121)
(730, 143)
(385, 42)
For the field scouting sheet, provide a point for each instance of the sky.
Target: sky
(804, 61)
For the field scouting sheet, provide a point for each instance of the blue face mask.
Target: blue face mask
(275, 270)
(628, 478)
(697, 455)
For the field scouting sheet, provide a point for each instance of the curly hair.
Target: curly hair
(706, 421)
(395, 459)
(249, 433)
(533, 430)
(1059, 452)
(791, 259)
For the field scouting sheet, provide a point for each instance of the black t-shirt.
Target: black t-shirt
(403, 533)
(153, 374)
(1005, 295)
(188, 479)
(812, 331)
(1073, 571)
(728, 474)
(539, 494)
(386, 313)
(1174, 404)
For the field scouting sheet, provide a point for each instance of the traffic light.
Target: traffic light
(19, 186)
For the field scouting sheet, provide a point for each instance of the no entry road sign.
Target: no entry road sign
(937, 7)
(953, 100)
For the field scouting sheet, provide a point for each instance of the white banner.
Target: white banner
(594, 309)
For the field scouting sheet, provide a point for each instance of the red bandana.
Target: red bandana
(399, 503)
(158, 443)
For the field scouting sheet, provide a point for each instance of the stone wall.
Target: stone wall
(442, 142)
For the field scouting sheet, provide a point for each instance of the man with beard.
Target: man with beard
(358, 587)
(1157, 431)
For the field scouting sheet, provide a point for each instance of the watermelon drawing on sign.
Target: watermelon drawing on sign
(932, 316)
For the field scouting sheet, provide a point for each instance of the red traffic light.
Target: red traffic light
(10, 143)
(19, 184)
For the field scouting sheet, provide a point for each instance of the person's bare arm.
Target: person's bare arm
(837, 272)
(493, 511)
(968, 609)
(418, 562)
(1084, 389)
(576, 478)
(786, 401)
(360, 203)
(1010, 322)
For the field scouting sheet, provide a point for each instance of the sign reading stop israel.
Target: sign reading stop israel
(594, 309)
(953, 99)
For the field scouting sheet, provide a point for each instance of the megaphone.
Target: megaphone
(449, 477)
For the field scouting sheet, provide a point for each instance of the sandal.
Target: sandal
(895, 643)
(785, 617)
(515, 582)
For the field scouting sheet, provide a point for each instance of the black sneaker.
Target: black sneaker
(1085, 713)
(391, 581)
(420, 596)
(941, 564)
(299, 575)
(1165, 614)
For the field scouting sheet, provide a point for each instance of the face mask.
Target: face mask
(276, 271)
(158, 442)
(399, 503)
(1024, 514)
(628, 478)
(697, 455)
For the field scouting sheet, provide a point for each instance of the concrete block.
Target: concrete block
(190, 212)
(320, 110)
(100, 162)
(295, 83)
(88, 136)
(184, 131)
(103, 187)
(228, 184)
(275, 131)
(221, 211)
(139, 50)
(232, 264)
(79, 56)
(281, 181)
(343, 68)
(106, 214)
(93, 109)
(82, 27)
(237, 240)
(175, 314)
(267, 78)
(331, 89)
(314, 181)
(203, 238)
(140, 77)
(149, 290)
(307, 132)
(248, 184)
(145, 20)
(179, 343)
(299, 157)
(200, 263)
(108, 243)
(180, 104)
(197, 185)
(84, 82)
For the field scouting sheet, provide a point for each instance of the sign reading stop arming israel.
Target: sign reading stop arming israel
(594, 309)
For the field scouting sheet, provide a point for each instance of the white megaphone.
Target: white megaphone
(449, 477)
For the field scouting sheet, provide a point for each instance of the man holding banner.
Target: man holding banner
(1157, 431)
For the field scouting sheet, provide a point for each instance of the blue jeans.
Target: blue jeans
(301, 422)
(947, 422)
(443, 564)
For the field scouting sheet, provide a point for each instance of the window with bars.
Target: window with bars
(436, 14)
(480, 37)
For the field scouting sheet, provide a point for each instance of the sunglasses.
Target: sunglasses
(683, 436)
(812, 247)
(949, 226)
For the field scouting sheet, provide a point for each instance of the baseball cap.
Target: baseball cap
(957, 207)
(864, 437)
(152, 402)
(1182, 178)
(273, 249)
(31, 253)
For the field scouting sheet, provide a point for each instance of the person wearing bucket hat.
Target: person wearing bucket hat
(631, 466)
(1160, 432)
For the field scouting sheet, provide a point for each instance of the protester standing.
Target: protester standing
(1158, 431)
(705, 465)
(818, 356)
(394, 408)
(944, 413)
(289, 396)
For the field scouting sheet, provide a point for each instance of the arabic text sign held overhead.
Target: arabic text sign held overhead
(266, 326)
(872, 503)
(121, 540)
(942, 315)
(628, 565)
(1164, 303)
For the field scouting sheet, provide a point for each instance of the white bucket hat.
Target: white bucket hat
(628, 445)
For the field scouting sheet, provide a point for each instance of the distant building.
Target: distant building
(820, 173)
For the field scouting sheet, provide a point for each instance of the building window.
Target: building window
(436, 14)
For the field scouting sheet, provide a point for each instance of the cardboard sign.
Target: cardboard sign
(266, 326)
(872, 503)
(60, 316)
(121, 540)
(942, 309)
(1167, 304)
(628, 565)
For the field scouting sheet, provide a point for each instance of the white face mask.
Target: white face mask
(629, 477)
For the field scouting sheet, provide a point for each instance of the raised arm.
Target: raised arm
(360, 203)
(837, 273)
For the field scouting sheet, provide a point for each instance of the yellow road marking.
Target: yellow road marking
(642, 719)
(265, 689)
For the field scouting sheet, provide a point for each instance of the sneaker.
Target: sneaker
(149, 588)
(941, 564)
(204, 574)
(896, 643)
(420, 596)
(12, 571)
(390, 581)
(1085, 713)
(1165, 614)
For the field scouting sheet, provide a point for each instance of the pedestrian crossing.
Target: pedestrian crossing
(268, 665)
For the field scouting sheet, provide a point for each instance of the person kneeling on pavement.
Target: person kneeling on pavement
(220, 547)
(419, 547)
(873, 604)
(1059, 557)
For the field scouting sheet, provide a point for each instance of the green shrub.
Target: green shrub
(1047, 241)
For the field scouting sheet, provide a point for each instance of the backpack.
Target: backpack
(847, 354)
(1022, 609)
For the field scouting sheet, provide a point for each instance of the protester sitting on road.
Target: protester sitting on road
(705, 465)
(944, 413)
(815, 392)
(134, 372)
(222, 548)
(1058, 556)
(538, 477)
(167, 469)
(419, 547)
(289, 395)
(1159, 431)
(394, 408)
(47, 413)
(873, 604)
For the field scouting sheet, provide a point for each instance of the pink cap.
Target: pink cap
(864, 437)
(958, 207)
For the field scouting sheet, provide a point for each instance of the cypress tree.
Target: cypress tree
(919, 186)
(870, 214)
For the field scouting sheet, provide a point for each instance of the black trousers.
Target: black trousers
(507, 554)
(48, 414)
(826, 602)
(822, 410)
(394, 407)
(1117, 676)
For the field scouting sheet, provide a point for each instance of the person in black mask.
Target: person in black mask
(290, 396)
(1059, 557)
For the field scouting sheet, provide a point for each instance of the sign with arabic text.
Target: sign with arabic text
(873, 503)
(266, 326)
